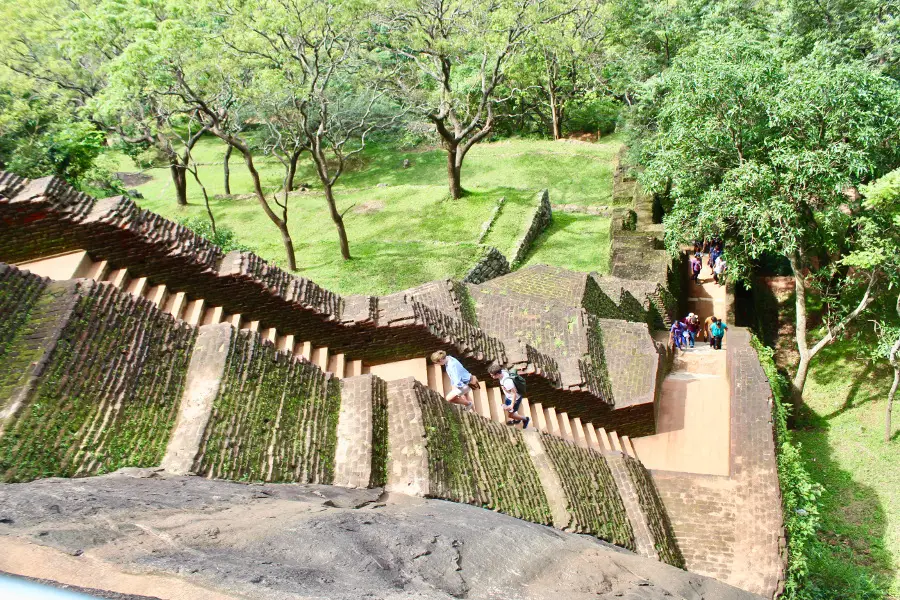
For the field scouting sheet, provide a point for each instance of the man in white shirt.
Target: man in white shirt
(512, 399)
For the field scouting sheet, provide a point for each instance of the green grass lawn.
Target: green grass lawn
(403, 228)
(579, 242)
(858, 552)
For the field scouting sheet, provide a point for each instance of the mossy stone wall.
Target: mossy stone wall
(108, 395)
(593, 498)
(480, 462)
(274, 418)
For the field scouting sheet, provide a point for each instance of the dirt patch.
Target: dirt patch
(133, 179)
(367, 208)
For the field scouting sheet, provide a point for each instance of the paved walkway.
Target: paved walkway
(713, 460)
(694, 409)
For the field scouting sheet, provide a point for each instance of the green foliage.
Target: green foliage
(800, 493)
(594, 113)
(224, 237)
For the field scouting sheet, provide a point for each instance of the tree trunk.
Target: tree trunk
(226, 170)
(179, 178)
(890, 403)
(555, 115)
(261, 197)
(292, 171)
(802, 347)
(454, 172)
(338, 221)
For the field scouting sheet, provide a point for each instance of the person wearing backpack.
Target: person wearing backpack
(512, 385)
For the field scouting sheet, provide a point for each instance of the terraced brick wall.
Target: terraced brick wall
(274, 418)
(594, 367)
(593, 499)
(480, 462)
(18, 294)
(655, 513)
(109, 392)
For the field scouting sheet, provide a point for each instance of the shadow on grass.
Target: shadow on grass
(851, 558)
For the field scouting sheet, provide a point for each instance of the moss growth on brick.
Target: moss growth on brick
(592, 496)
(19, 292)
(480, 462)
(657, 517)
(378, 476)
(109, 395)
(274, 419)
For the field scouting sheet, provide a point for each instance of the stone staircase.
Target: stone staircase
(197, 312)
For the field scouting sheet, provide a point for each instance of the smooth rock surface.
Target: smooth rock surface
(141, 531)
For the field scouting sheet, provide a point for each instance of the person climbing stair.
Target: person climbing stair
(462, 381)
(512, 395)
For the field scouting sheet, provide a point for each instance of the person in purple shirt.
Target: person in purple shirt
(461, 380)
(676, 338)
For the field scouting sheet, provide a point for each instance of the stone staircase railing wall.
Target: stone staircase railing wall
(123, 384)
(103, 391)
(45, 217)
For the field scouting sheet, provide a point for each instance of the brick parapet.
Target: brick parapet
(45, 217)
(538, 221)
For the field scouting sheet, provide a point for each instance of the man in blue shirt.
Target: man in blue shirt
(461, 380)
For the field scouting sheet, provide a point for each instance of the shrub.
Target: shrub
(799, 492)
(224, 237)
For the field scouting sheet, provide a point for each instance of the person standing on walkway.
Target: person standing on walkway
(512, 399)
(461, 380)
(717, 329)
(714, 252)
(719, 268)
(692, 328)
(676, 337)
(696, 267)
(706, 324)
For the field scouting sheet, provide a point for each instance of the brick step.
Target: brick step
(194, 311)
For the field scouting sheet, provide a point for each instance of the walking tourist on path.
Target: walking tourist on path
(719, 268)
(696, 267)
(692, 328)
(717, 329)
(676, 339)
(461, 380)
(512, 398)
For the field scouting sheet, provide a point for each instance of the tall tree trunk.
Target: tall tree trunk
(261, 197)
(179, 178)
(226, 170)
(800, 333)
(890, 403)
(454, 171)
(555, 114)
(292, 171)
(338, 221)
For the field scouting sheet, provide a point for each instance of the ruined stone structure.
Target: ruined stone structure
(126, 340)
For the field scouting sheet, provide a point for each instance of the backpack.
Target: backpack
(518, 381)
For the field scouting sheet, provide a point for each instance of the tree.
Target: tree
(769, 154)
(561, 61)
(453, 55)
(878, 227)
(316, 89)
(180, 60)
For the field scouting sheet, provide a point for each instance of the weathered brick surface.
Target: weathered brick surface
(408, 458)
(540, 219)
(274, 419)
(491, 264)
(654, 512)
(353, 457)
(632, 361)
(478, 461)
(18, 294)
(108, 391)
(730, 528)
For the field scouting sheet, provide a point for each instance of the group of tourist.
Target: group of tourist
(684, 332)
(715, 249)
(512, 386)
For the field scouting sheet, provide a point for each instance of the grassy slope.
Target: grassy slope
(859, 551)
(402, 230)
